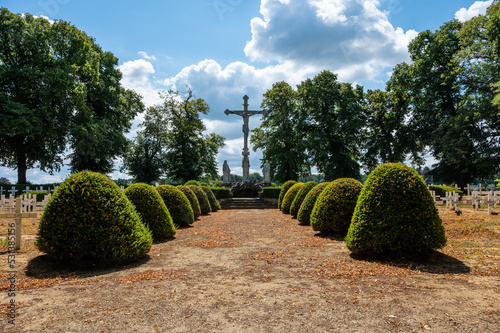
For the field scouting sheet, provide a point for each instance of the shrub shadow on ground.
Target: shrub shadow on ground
(44, 266)
(333, 236)
(186, 226)
(435, 263)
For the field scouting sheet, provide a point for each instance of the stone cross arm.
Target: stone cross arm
(245, 112)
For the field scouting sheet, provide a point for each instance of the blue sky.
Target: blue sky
(224, 49)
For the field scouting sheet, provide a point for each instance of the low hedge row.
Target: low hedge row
(271, 192)
(442, 189)
(221, 192)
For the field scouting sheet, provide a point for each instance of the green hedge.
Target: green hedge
(271, 192)
(38, 194)
(5, 188)
(221, 192)
(442, 189)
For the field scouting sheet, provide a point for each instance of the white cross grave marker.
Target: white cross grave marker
(18, 215)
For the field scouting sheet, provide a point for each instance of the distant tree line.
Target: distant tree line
(444, 103)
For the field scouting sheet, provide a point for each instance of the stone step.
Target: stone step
(247, 203)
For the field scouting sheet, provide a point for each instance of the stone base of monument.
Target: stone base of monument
(246, 195)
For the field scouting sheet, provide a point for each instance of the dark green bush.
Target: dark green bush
(289, 197)
(271, 192)
(152, 210)
(214, 204)
(297, 202)
(304, 214)
(221, 192)
(192, 182)
(442, 189)
(395, 215)
(334, 207)
(286, 186)
(204, 184)
(217, 184)
(202, 199)
(90, 218)
(177, 203)
(193, 200)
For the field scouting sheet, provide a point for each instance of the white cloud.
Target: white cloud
(478, 8)
(136, 72)
(146, 56)
(351, 37)
(223, 88)
(136, 76)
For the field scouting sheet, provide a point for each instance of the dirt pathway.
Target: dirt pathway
(255, 271)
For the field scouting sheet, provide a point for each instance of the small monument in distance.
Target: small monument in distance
(266, 173)
(226, 171)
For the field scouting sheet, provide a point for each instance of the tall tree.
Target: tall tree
(145, 158)
(172, 142)
(389, 136)
(449, 88)
(331, 117)
(97, 134)
(278, 134)
(56, 83)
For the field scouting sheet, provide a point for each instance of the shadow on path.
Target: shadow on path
(435, 263)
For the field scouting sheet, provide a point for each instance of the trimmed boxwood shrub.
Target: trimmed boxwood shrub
(152, 210)
(334, 207)
(177, 203)
(286, 186)
(90, 218)
(214, 204)
(221, 192)
(442, 189)
(304, 214)
(193, 200)
(299, 198)
(202, 199)
(192, 182)
(271, 192)
(289, 197)
(395, 215)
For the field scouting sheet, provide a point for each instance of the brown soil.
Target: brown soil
(260, 271)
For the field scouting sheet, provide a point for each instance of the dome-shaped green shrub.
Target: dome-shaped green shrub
(177, 203)
(299, 198)
(90, 218)
(192, 182)
(214, 204)
(334, 207)
(395, 215)
(286, 186)
(202, 199)
(152, 210)
(304, 214)
(195, 205)
(289, 197)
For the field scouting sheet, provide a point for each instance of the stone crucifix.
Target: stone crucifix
(246, 152)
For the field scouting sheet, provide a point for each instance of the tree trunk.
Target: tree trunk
(21, 165)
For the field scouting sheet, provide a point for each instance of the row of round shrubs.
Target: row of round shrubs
(393, 214)
(90, 219)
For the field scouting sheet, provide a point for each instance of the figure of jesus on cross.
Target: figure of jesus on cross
(245, 114)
